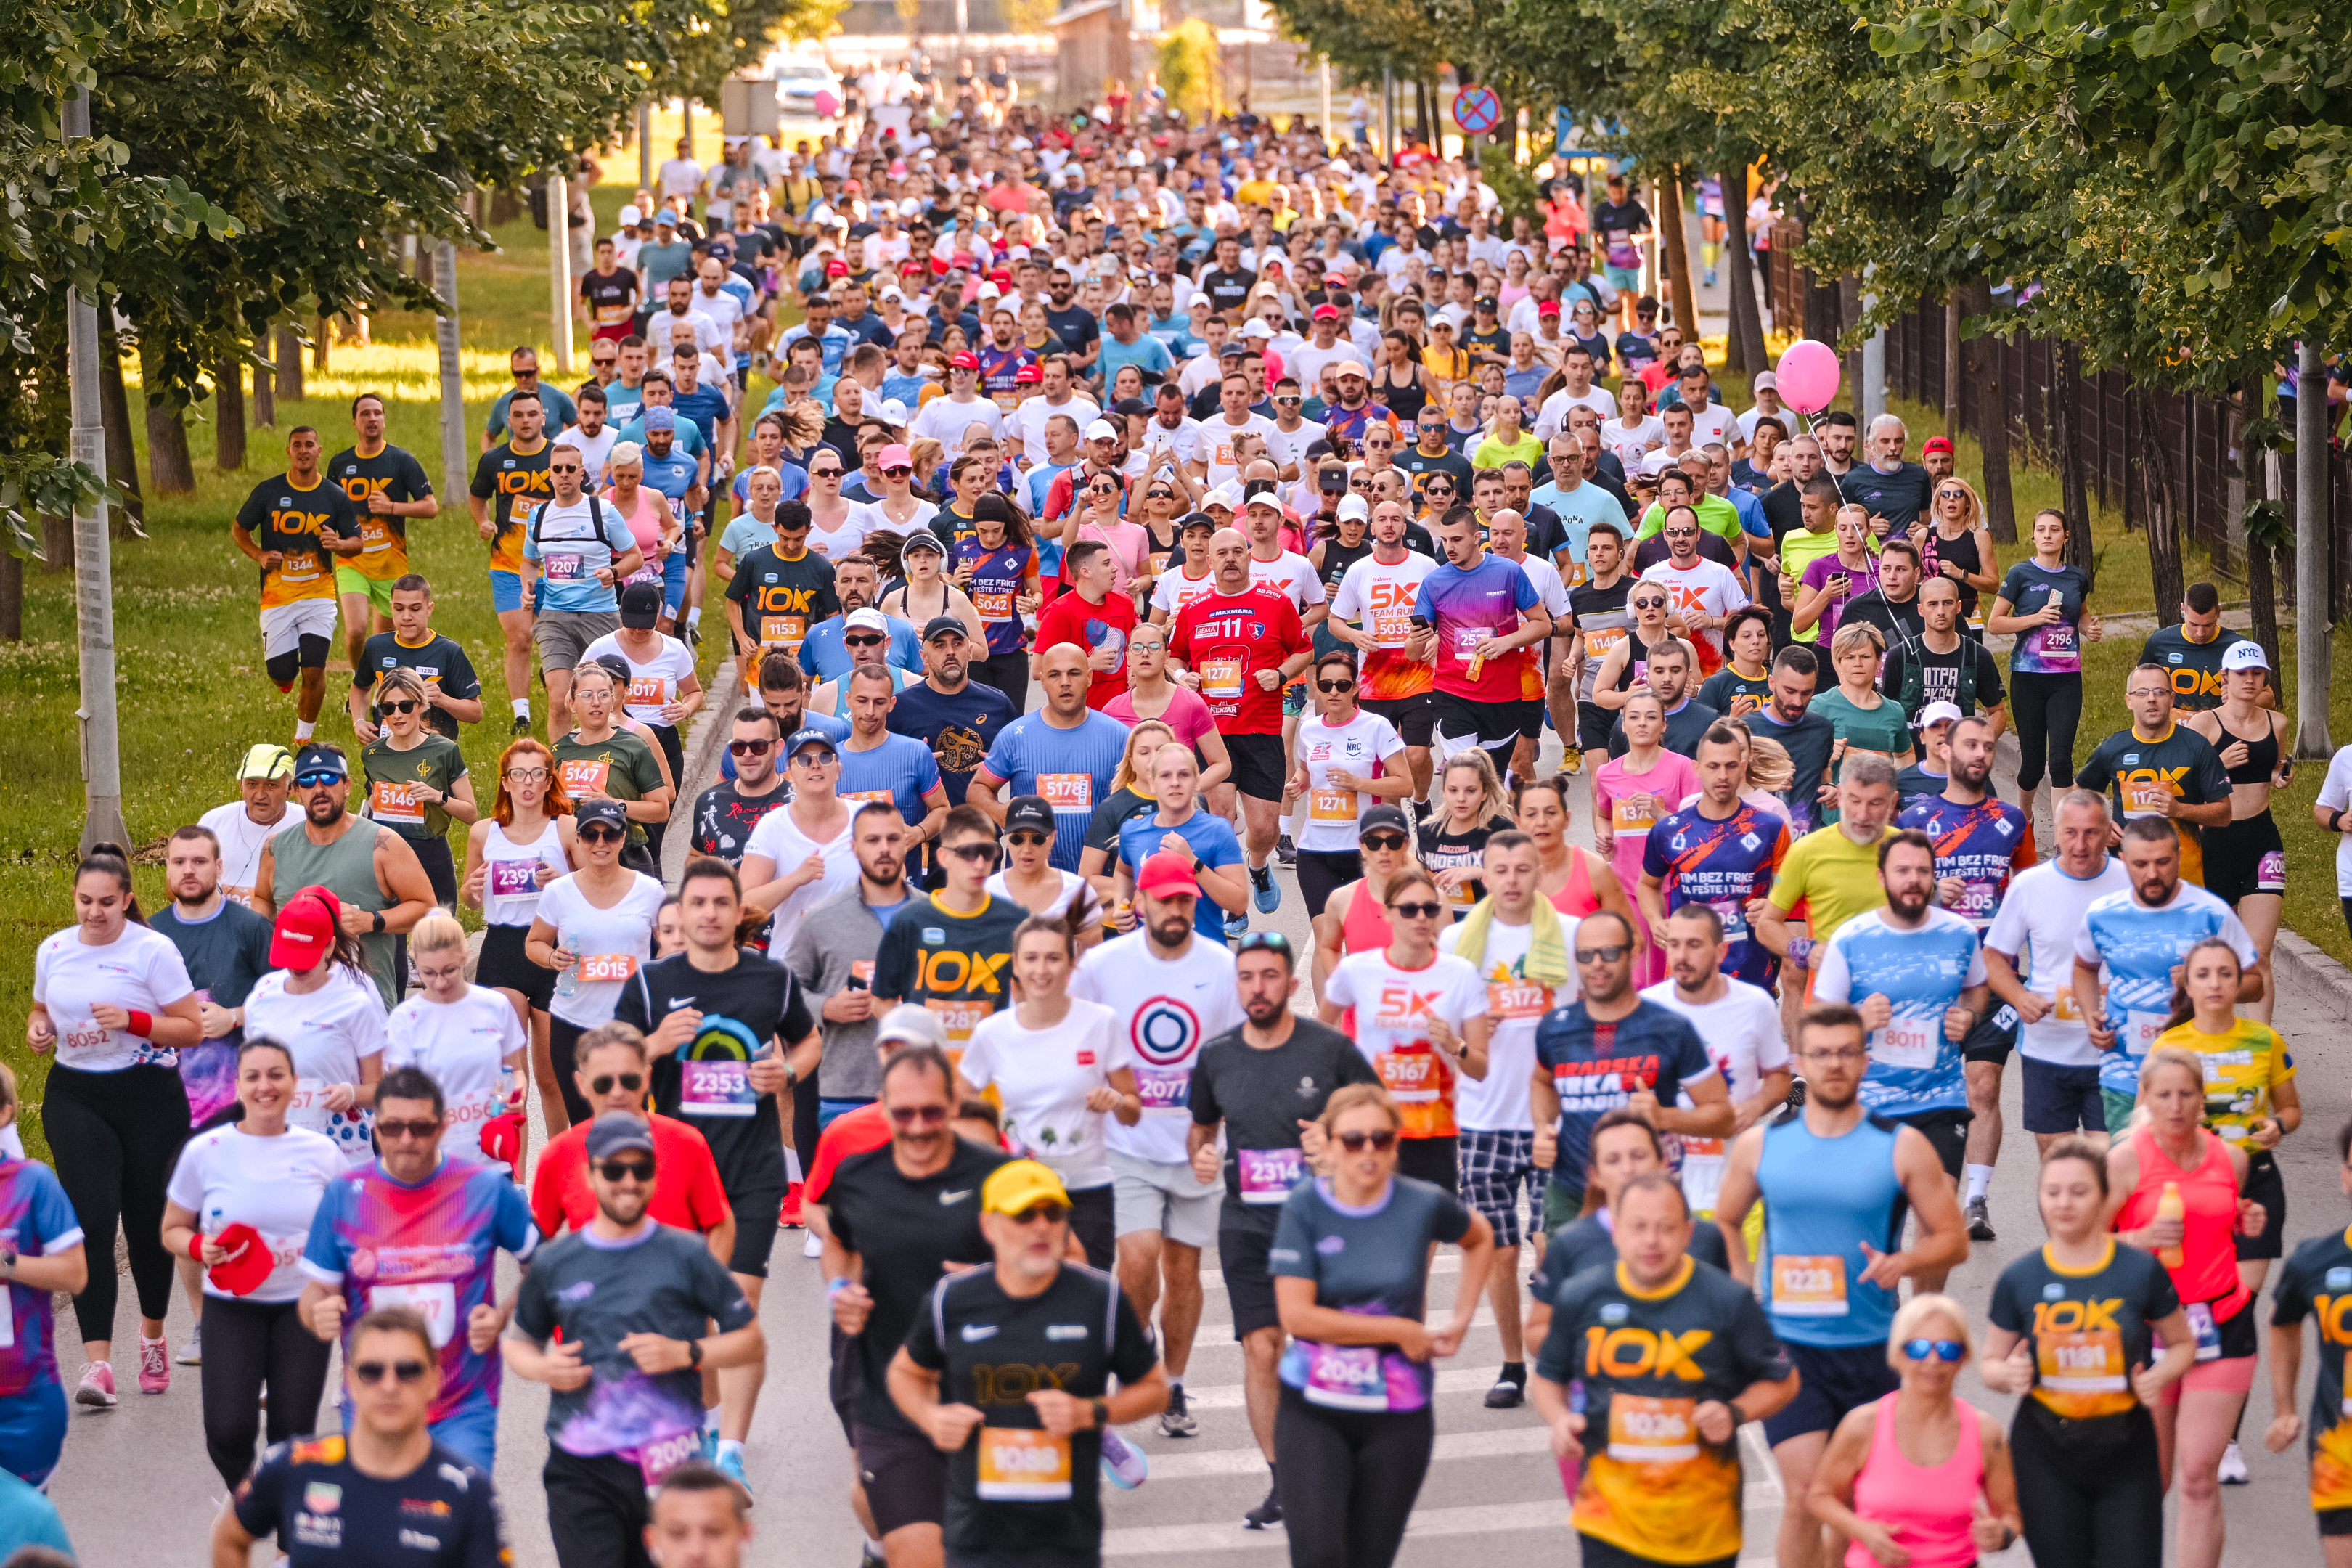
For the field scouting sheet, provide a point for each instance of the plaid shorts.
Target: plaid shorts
(1494, 1168)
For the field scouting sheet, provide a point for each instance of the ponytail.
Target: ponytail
(107, 859)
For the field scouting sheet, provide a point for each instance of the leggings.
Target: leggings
(246, 1345)
(1009, 673)
(1322, 873)
(1348, 1479)
(2101, 1508)
(115, 1137)
(675, 751)
(2047, 707)
(563, 1051)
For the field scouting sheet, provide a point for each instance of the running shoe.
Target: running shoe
(97, 1389)
(1123, 1462)
(1285, 851)
(693, 636)
(2232, 1471)
(192, 1352)
(1265, 894)
(521, 725)
(1265, 1513)
(1707, 280)
(1176, 1421)
(1507, 1395)
(789, 1215)
(812, 1246)
(1236, 927)
(1571, 760)
(154, 1366)
(1981, 1219)
(730, 1463)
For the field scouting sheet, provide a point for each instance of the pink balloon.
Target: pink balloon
(1808, 373)
(826, 104)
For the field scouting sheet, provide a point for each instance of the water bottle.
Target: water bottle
(566, 979)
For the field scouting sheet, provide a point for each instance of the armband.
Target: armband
(2335, 820)
(196, 1245)
(141, 1023)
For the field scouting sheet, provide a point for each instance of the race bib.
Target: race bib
(994, 606)
(564, 568)
(959, 1017)
(1163, 1088)
(1733, 913)
(2065, 1012)
(513, 878)
(1630, 816)
(309, 1106)
(1702, 1173)
(582, 776)
(1067, 792)
(1345, 1377)
(601, 966)
(2145, 798)
(718, 1088)
(1409, 1072)
(1646, 1431)
(783, 631)
(1391, 626)
(656, 1460)
(374, 538)
(648, 691)
(1978, 902)
(1518, 998)
(1466, 640)
(1221, 676)
(436, 1304)
(1023, 1464)
(1599, 640)
(1906, 1043)
(1809, 1286)
(394, 800)
(2140, 1030)
(302, 568)
(2208, 1332)
(1268, 1174)
(2088, 1361)
(1333, 805)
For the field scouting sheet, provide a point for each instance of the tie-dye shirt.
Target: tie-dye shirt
(39, 1221)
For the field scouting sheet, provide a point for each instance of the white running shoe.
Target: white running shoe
(2232, 1468)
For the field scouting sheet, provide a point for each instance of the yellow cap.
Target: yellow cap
(1019, 1186)
(266, 760)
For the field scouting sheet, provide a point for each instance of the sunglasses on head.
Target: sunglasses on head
(603, 1082)
(420, 1129)
(1289, 402)
(626, 1170)
(750, 748)
(1611, 952)
(405, 705)
(375, 1372)
(1265, 941)
(601, 832)
(1428, 910)
(1381, 1142)
(1942, 1349)
(909, 1115)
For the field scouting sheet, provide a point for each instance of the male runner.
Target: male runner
(2159, 770)
(1065, 752)
(388, 486)
(1718, 851)
(1372, 611)
(1474, 618)
(453, 692)
(290, 526)
(1740, 1025)
(2311, 1285)
(725, 814)
(2191, 653)
(1832, 870)
(951, 950)
(510, 481)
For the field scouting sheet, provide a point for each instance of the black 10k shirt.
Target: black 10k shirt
(703, 1082)
(442, 662)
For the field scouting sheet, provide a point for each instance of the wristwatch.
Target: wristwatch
(378, 919)
(1101, 1407)
(694, 1355)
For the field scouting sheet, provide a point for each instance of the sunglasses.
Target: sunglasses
(375, 1372)
(1614, 953)
(597, 833)
(314, 779)
(1335, 686)
(1265, 941)
(1951, 495)
(529, 775)
(978, 849)
(405, 705)
(1052, 1213)
(1027, 838)
(603, 1082)
(909, 1115)
(750, 748)
(1159, 495)
(1649, 604)
(1942, 1349)
(825, 473)
(1427, 911)
(1289, 402)
(897, 473)
(626, 1170)
(563, 467)
(817, 759)
(1101, 493)
(869, 639)
(421, 1129)
(1381, 1142)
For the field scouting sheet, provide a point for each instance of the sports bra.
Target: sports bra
(2262, 755)
(1576, 898)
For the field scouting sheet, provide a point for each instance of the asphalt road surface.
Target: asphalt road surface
(135, 1484)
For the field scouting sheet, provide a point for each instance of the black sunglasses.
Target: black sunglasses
(869, 639)
(1353, 1142)
(1428, 910)
(928, 1115)
(1027, 838)
(626, 1170)
(1388, 842)
(898, 473)
(750, 748)
(420, 1129)
(825, 473)
(1335, 686)
(599, 833)
(405, 705)
(603, 1082)
(375, 1372)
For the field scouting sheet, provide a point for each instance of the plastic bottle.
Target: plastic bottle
(567, 980)
(2169, 1206)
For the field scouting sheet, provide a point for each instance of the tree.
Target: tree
(1191, 68)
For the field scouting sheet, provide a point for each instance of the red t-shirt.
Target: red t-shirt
(687, 1190)
(851, 1133)
(1070, 618)
(1226, 638)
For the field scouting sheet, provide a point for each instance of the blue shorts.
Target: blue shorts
(1622, 278)
(33, 1431)
(506, 591)
(673, 580)
(2062, 1098)
(1832, 1380)
(471, 1432)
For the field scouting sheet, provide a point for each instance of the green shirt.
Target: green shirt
(1492, 454)
(1884, 728)
(1715, 515)
(620, 766)
(435, 762)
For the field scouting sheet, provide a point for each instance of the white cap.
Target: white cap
(891, 412)
(1764, 381)
(1227, 495)
(988, 291)
(1255, 327)
(1940, 713)
(865, 621)
(911, 1023)
(1102, 430)
(2246, 655)
(631, 217)
(1354, 507)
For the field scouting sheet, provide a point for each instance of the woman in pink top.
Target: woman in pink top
(1095, 514)
(1149, 694)
(1629, 794)
(1902, 1477)
(644, 510)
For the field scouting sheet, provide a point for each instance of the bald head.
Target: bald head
(1229, 559)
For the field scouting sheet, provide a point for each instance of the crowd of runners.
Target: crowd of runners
(1131, 509)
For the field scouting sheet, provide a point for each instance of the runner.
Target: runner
(725, 814)
(1029, 878)
(603, 763)
(1372, 611)
(1575, 879)
(1738, 1022)
(593, 928)
(1094, 612)
(613, 1077)
(42, 1246)
(510, 480)
(2307, 1280)
(525, 842)
(1704, 593)
(575, 554)
(1631, 794)
(317, 1000)
(1835, 1180)
(2193, 651)
(265, 777)
(2043, 603)
(465, 1037)
(952, 952)
(878, 766)
(1343, 762)
(1470, 809)
(1154, 694)
(1600, 610)
(2244, 858)
(1476, 617)
(1182, 826)
(453, 692)
(290, 526)
(801, 855)
(1664, 1485)
(778, 592)
(1065, 750)
(1624, 1146)
(417, 781)
(620, 1419)
(1832, 871)
(662, 690)
(2158, 768)
(387, 487)
(1720, 852)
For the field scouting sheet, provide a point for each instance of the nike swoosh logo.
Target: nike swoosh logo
(974, 1332)
(681, 1002)
(955, 1198)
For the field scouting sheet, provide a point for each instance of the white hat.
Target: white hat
(631, 217)
(988, 291)
(2246, 655)
(1102, 430)
(1227, 495)
(891, 412)
(1255, 327)
(911, 1023)
(1764, 381)
(1354, 507)
(865, 621)
(1940, 713)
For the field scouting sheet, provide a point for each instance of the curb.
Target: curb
(704, 738)
(2313, 967)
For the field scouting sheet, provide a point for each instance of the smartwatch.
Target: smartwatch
(378, 919)
(694, 1355)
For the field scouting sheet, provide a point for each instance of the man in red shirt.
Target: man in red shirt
(1245, 644)
(1091, 616)
(611, 1075)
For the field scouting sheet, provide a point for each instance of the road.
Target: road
(1493, 1491)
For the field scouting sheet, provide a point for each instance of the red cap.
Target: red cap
(837, 268)
(502, 1138)
(305, 932)
(1029, 373)
(1936, 444)
(1001, 277)
(1166, 875)
(1547, 308)
(965, 362)
(1335, 278)
(963, 258)
(1326, 312)
(242, 1274)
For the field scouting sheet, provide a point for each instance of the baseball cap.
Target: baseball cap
(892, 412)
(1268, 498)
(921, 538)
(1551, 308)
(266, 760)
(1354, 507)
(1102, 430)
(1351, 367)
(1485, 303)
(1227, 495)
(910, 1024)
(660, 420)
(865, 620)
(988, 290)
(641, 605)
(631, 217)
(1940, 713)
(251, 1264)
(1020, 1186)
(1935, 444)
(944, 626)
(1233, 349)
(964, 362)
(1029, 375)
(321, 759)
(809, 736)
(600, 812)
(1335, 278)
(2247, 655)
(1765, 381)
(894, 455)
(837, 268)
(1193, 519)
(1256, 329)
(665, 218)
(618, 1133)
(304, 931)
(1381, 816)
(1029, 811)
(1165, 874)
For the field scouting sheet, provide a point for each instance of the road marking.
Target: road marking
(1448, 1262)
(1491, 1519)
(1455, 1380)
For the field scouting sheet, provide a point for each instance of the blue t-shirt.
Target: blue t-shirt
(570, 552)
(1213, 841)
(1824, 1200)
(2053, 650)
(688, 434)
(1921, 973)
(1071, 768)
(1367, 1260)
(1147, 353)
(823, 656)
(832, 344)
(1596, 1067)
(561, 414)
(1983, 844)
(900, 770)
(706, 408)
(36, 1216)
(958, 728)
(1721, 865)
(1578, 511)
(2140, 945)
(796, 480)
(622, 404)
(907, 389)
(673, 476)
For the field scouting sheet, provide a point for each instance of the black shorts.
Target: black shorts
(1831, 1380)
(905, 1474)
(1948, 1132)
(1414, 717)
(1322, 873)
(1490, 726)
(1592, 1552)
(1593, 725)
(1532, 715)
(755, 1231)
(2264, 1187)
(1249, 1285)
(1094, 1220)
(1432, 1160)
(2062, 1098)
(2336, 1522)
(841, 1382)
(1993, 1037)
(1258, 770)
(2243, 857)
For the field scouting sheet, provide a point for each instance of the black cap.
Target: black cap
(945, 626)
(921, 538)
(1233, 346)
(1133, 407)
(613, 665)
(1384, 816)
(604, 810)
(1193, 519)
(1028, 811)
(641, 605)
(618, 1132)
(320, 759)
(1484, 302)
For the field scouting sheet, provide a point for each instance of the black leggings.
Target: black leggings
(1348, 1479)
(673, 750)
(563, 1051)
(1322, 873)
(115, 1137)
(2047, 709)
(1009, 673)
(246, 1345)
(2101, 1508)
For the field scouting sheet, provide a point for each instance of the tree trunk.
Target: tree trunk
(1675, 289)
(289, 362)
(2068, 378)
(57, 544)
(114, 413)
(12, 597)
(2163, 513)
(1952, 369)
(2262, 575)
(1849, 290)
(1744, 355)
(228, 414)
(324, 336)
(170, 469)
(505, 207)
(1993, 437)
(265, 393)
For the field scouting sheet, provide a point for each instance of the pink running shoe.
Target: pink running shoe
(154, 1366)
(97, 1389)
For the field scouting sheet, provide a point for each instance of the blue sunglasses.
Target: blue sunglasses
(1942, 1349)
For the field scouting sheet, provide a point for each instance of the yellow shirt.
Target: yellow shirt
(1833, 878)
(2241, 1067)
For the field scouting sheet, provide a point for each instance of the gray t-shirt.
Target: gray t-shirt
(1262, 1096)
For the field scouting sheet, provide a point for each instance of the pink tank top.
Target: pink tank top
(1935, 1507)
(1576, 898)
(1365, 927)
(644, 527)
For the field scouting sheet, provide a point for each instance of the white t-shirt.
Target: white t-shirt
(833, 544)
(1790, 424)
(139, 971)
(1073, 886)
(680, 176)
(1183, 442)
(1043, 1076)
(653, 684)
(874, 520)
(1292, 576)
(229, 1176)
(944, 420)
(722, 307)
(1498, 1102)
(463, 1045)
(241, 839)
(1307, 361)
(1289, 447)
(609, 945)
(2035, 925)
(509, 880)
(1659, 461)
(784, 844)
(1628, 446)
(1363, 746)
(330, 1031)
(1717, 423)
(1705, 585)
(2336, 793)
(1029, 422)
(1171, 591)
(1552, 417)
(1162, 1010)
(1379, 598)
(1389, 1006)
(594, 451)
(1742, 1029)
(1219, 438)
